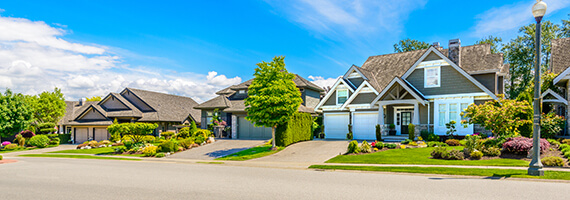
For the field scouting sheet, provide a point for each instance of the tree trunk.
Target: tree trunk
(273, 138)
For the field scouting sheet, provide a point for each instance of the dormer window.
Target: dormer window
(432, 77)
(241, 91)
(341, 96)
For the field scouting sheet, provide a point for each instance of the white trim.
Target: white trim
(562, 76)
(456, 95)
(559, 99)
(452, 64)
(354, 68)
(333, 88)
(438, 77)
(404, 85)
(353, 96)
(347, 96)
(403, 101)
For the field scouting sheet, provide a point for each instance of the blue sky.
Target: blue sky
(194, 48)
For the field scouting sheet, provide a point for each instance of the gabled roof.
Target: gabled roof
(88, 108)
(299, 82)
(397, 80)
(168, 107)
(220, 101)
(557, 97)
(131, 112)
(333, 88)
(353, 96)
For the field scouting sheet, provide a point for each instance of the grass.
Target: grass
(487, 172)
(24, 149)
(248, 154)
(77, 156)
(97, 151)
(419, 156)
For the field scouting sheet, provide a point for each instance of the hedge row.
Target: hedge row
(296, 130)
(64, 138)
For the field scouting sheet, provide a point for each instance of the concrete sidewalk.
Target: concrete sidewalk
(44, 150)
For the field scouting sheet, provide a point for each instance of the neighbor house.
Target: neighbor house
(427, 88)
(88, 120)
(560, 64)
(230, 104)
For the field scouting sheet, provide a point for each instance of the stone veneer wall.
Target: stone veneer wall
(418, 129)
(478, 128)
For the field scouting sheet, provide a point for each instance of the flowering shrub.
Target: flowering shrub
(476, 155)
(452, 142)
(391, 146)
(550, 125)
(11, 147)
(6, 143)
(491, 151)
(473, 142)
(521, 145)
(502, 117)
(365, 147)
(149, 151)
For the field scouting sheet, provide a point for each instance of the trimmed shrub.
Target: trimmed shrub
(120, 149)
(378, 144)
(565, 150)
(27, 134)
(20, 140)
(563, 146)
(199, 139)
(54, 141)
(439, 152)
(115, 137)
(353, 147)
(452, 142)
(40, 141)
(443, 153)
(565, 141)
(411, 131)
(391, 146)
(184, 132)
(454, 154)
(553, 142)
(378, 133)
(46, 128)
(128, 144)
(553, 161)
(148, 139)
(491, 151)
(149, 151)
(104, 142)
(521, 145)
(349, 136)
(6, 143)
(365, 147)
(436, 144)
(160, 155)
(297, 129)
(64, 138)
(476, 155)
(494, 142)
(81, 146)
(168, 146)
(1, 157)
(406, 141)
(187, 143)
(11, 147)
(167, 134)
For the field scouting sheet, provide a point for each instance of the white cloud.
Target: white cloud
(322, 82)
(35, 57)
(511, 17)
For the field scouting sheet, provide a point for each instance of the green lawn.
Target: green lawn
(419, 156)
(255, 152)
(24, 149)
(97, 151)
(514, 173)
(76, 156)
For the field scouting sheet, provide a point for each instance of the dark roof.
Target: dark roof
(239, 106)
(474, 59)
(299, 82)
(220, 101)
(560, 56)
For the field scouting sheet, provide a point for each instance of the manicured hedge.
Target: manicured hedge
(64, 138)
(296, 130)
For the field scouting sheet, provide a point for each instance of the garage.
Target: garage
(246, 130)
(81, 135)
(364, 125)
(100, 134)
(336, 125)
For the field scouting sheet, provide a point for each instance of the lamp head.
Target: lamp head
(539, 9)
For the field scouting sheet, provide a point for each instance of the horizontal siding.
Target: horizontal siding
(364, 98)
(452, 82)
(488, 80)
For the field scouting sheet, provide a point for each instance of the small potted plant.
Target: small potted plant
(392, 128)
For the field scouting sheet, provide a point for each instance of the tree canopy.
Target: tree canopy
(273, 97)
(136, 131)
(15, 114)
(48, 106)
(93, 98)
(410, 45)
(495, 43)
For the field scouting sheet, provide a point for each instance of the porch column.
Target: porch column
(381, 114)
(234, 126)
(416, 119)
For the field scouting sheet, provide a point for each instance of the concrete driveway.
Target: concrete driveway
(217, 149)
(315, 151)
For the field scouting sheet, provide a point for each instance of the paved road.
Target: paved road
(50, 178)
(217, 149)
(314, 151)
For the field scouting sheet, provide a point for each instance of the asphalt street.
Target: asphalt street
(54, 178)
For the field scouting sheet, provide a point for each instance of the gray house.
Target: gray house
(427, 88)
(230, 104)
(560, 64)
(89, 120)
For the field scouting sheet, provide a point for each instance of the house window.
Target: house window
(241, 91)
(209, 115)
(453, 112)
(463, 107)
(341, 96)
(431, 77)
(442, 108)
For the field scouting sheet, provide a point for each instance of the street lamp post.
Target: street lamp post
(535, 167)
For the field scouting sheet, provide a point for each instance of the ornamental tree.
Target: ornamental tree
(273, 97)
(48, 106)
(15, 114)
(504, 117)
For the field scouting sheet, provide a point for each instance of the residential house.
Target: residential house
(230, 104)
(87, 120)
(560, 64)
(427, 88)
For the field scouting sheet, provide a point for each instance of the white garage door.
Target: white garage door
(364, 125)
(336, 125)
(81, 135)
(100, 134)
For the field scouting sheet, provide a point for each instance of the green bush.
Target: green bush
(21, 140)
(391, 146)
(168, 146)
(379, 145)
(11, 147)
(148, 139)
(120, 149)
(45, 128)
(167, 134)
(149, 151)
(1, 158)
(443, 153)
(565, 141)
(353, 147)
(439, 152)
(184, 132)
(297, 129)
(128, 144)
(553, 161)
(476, 155)
(40, 141)
(406, 141)
(160, 155)
(64, 138)
(365, 147)
(199, 139)
(563, 146)
(565, 150)
(553, 142)
(411, 131)
(349, 136)
(437, 144)
(378, 133)
(115, 137)
(204, 133)
(491, 151)
(54, 141)
(186, 143)
(496, 142)
(452, 142)
(567, 155)
(429, 136)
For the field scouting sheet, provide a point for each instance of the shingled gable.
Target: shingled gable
(560, 60)
(412, 91)
(168, 107)
(452, 64)
(89, 108)
(329, 94)
(357, 92)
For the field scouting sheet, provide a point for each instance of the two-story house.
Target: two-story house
(427, 88)
(230, 104)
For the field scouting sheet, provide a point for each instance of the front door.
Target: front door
(405, 120)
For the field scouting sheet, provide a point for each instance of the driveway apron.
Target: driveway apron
(315, 151)
(217, 149)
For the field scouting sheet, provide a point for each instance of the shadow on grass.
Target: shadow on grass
(225, 152)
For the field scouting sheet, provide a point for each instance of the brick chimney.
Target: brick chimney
(454, 52)
(435, 44)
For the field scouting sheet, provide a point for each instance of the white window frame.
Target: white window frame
(241, 91)
(438, 77)
(337, 95)
(446, 102)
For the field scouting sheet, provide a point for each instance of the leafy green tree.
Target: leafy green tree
(410, 45)
(273, 97)
(495, 43)
(15, 114)
(565, 28)
(93, 98)
(136, 131)
(193, 128)
(504, 117)
(48, 106)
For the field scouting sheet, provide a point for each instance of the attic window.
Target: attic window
(432, 77)
(341, 96)
(241, 91)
